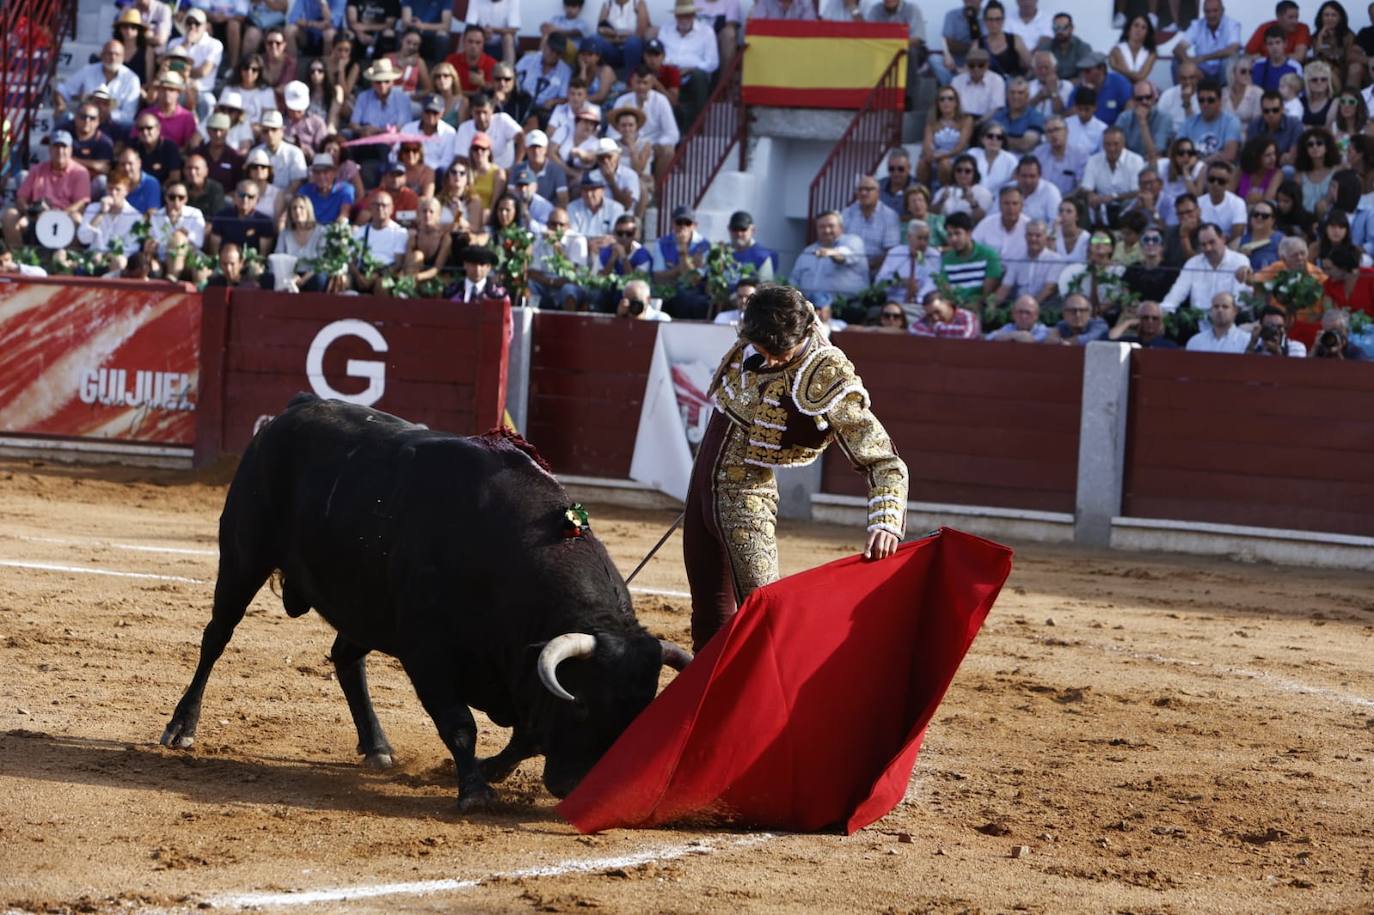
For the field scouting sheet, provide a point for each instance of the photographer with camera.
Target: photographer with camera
(1270, 335)
(636, 304)
(1334, 340)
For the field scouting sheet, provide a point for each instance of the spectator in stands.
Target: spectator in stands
(289, 168)
(960, 32)
(636, 303)
(1030, 24)
(892, 190)
(1350, 116)
(942, 317)
(106, 228)
(1035, 274)
(303, 238)
(679, 261)
(948, 130)
(1061, 164)
(501, 21)
(1334, 44)
(330, 200)
(10, 267)
(1111, 177)
(255, 95)
(1008, 55)
(1179, 101)
(223, 161)
(910, 269)
(1097, 279)
(552, 180)
(342, 71)
(1112, 91)
(1271, 336)
(312, 24)
(1275, 62)
(1181, 241)
(1023, 125)
(231, 272)
(563, 118)
(535, 208)
(1130, 227)
(504, 136)
(691, 47)
(995, 164)
(835, 264)
(1147, 129)
(739, 298)
(403, 200)
(145, 192)
(1333, 234)
(1210, 41)
(1078, 327)
(667, 78)
(1150, 277)
(570, 24)
(1319, 95)
(159, 155)
(1334, 341)
(872, 220)
(381, 106)
(1183, 173)
(622, 256)
(278, 66)
(593, 216)
(557, 242)
(91, 149)
(783, 9)
(907, 13)
(1025, 326)
(204, 193)
(918, 208)
(1071, 229)
(1134, 54)
(475, 67)
(1067, 48)
(1221, 206)
(462, 210)
(100, 100)
(593, 70)
(177, 223)
(1215, 133)
(206, 52)
(1261, 240)
(746, 250)
(1147, 322)
(1317, 160)
(239, 134)
(980, 92)
(1039, 199)
(1005, 231)
(382, 238)
(301, 126)
(973, 271)
(1293, 219)
(1206, 274)
(966, 194)
(1293, 31)
(1273, 124)
(118, 80)
(1049, 94)
(1148, 200)
(1347, 286)
(577, 152)
(544, 74)
(622, 181)
(433, 19)
(419, 177)
(635, 151)
(241, 224)
(157, 21)
(1085, 127)
(623, 31)
(659, 125)
(258, 169)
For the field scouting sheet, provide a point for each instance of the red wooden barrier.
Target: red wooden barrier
(431, 362)
(976, 423)
(1282, 443)
(587, 377)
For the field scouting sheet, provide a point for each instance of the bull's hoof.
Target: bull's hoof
(177, 736)
(496, 769)
(477, 800)
(378, 761)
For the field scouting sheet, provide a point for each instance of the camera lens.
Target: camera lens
(636, 307)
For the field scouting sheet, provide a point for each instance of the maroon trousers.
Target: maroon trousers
(704, 550)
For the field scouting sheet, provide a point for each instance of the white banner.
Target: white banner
(675, 411)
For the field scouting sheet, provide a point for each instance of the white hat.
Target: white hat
(271, 118)
(230, 98)
(382, 70)
(536, 138)
(297, 95)
(606, 146)
(258, 156)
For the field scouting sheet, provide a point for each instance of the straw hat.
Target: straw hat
(382, 71)
(615, 116)
(131, 16)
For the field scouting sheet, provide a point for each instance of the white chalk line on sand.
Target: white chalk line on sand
(1283, 684)
(429, 887)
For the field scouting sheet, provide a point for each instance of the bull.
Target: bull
(457, 556)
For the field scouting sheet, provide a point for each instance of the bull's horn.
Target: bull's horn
(560, 649)
(675, 657)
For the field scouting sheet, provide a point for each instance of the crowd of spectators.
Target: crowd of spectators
(1060, 194)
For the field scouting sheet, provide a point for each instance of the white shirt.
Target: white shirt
(950, 199)
(440, 149)
(1028, 275)
(125, 89)
(899, 265)
(192, 222)
(979, 99)
(388, 243)
(1230, 212)
(993, 176)
(561, 121)
(502, 133)
(602, 222)
(288, 164)
(113, 227)
(256, 101)
(1046, 108)
(660, 127)
(207, 50)
(697, 50)
(574, 247)
(494, 14)
(1008, 243)
(1205, 340)
(1199, 281)
(1171, 103)
(1041, 26)
(1102, 178)
(1043, 203)
(1087, 137)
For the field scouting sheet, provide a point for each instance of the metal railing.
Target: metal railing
(876, 128)
(703, 149)
(31, 36)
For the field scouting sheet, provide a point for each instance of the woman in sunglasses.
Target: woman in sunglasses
(947, 134)
(255, 95)
(1241, 96)
(965, 194)
(1318, 159)
(1350, 117)
(1260, 241)
(1009, 54)
(995, 164)
(1318, 98)
(1183, 173)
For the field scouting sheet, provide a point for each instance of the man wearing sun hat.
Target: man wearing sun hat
(206, 50)
(331, 198)
(288, 162)
(380, 106)
(659, 126)
(223, 162)
(178, 123)
(441, 147)
(119, 81)
(691, 47)
(304, 129)
(622, 181)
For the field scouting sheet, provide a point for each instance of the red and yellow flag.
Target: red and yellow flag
(795, 64)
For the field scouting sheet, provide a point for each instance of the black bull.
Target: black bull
(451, 554)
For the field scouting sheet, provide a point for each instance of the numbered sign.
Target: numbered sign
(55, 229)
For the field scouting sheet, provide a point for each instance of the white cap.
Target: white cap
(271, 118)
(297, 95)
(605, 146)
(536, 138)
(231, 98)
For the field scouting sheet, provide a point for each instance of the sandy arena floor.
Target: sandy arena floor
(1164, 735)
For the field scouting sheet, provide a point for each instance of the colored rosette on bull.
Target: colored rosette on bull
(576, 521)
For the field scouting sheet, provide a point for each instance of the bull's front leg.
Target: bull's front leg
(497, 768)
(349, 659)
(433, 681)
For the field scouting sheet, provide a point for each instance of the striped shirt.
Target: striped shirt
(966, 272)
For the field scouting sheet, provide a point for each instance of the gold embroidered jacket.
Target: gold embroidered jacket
(790, 415)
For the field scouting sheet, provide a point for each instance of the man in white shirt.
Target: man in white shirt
(1112, 176)
(288, 161)
(124, 87)
(382, 236)
(507, 139)
(660, 126)
(1005, 231)
(910, 269)
(1221, 206)
(981, 92)
(621, 179)
(1049, 94)
(1085, 127)
(1179, 101)
(691, 47)
(1039, 199)
(1222, 335)
(206, 52)
(1031, 24)
(441, 145)
(555, 291)
(1206, 274)
(593, 216)
(177, 223)
(1211, 41)
(1036, 274)
(108, 224)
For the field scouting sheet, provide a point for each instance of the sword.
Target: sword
(662, 540)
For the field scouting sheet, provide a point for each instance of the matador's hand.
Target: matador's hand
(881, 544)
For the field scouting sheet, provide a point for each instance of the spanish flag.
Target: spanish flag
(795, 64)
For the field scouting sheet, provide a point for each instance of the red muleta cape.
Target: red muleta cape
(807, 710)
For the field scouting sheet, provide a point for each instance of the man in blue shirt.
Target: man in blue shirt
(380, 107)
(1023, 125)
(544, 74)
(332, 200)
(1113, 89)
(961, 30)
(679, 258)
(1211, 41)
(1267, 71)
(747, 251)
(1214, 132)
(1283, 129)
(145, 191)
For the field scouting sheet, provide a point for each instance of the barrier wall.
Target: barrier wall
(1278, 443)
(978, 424)
(432, 362)
(103, 360)
(586, 388)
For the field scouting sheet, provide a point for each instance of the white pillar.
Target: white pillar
(1102, 441)
(518, 368)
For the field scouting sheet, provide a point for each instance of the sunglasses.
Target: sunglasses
(947, 98)
(1149, 318)
(896, 168)
(1185, 152)
(1261, 214)
(147, 128)
(1272, 110)
(1144, 98)
(1350, 101)
(627, 233)
(259, 165)
(1151, 240)
(1208, 99)
(963, 171)
(176, 196)
(995, 136)
(993, 18)
(683, 222)
(556, 225)
(1311, 144)
(1318, 79)
(1218, 179)
(88, 117)
(977, 65)
(892, 316)
(244, 195)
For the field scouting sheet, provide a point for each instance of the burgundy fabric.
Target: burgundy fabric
(704, 551)
(807, 710)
